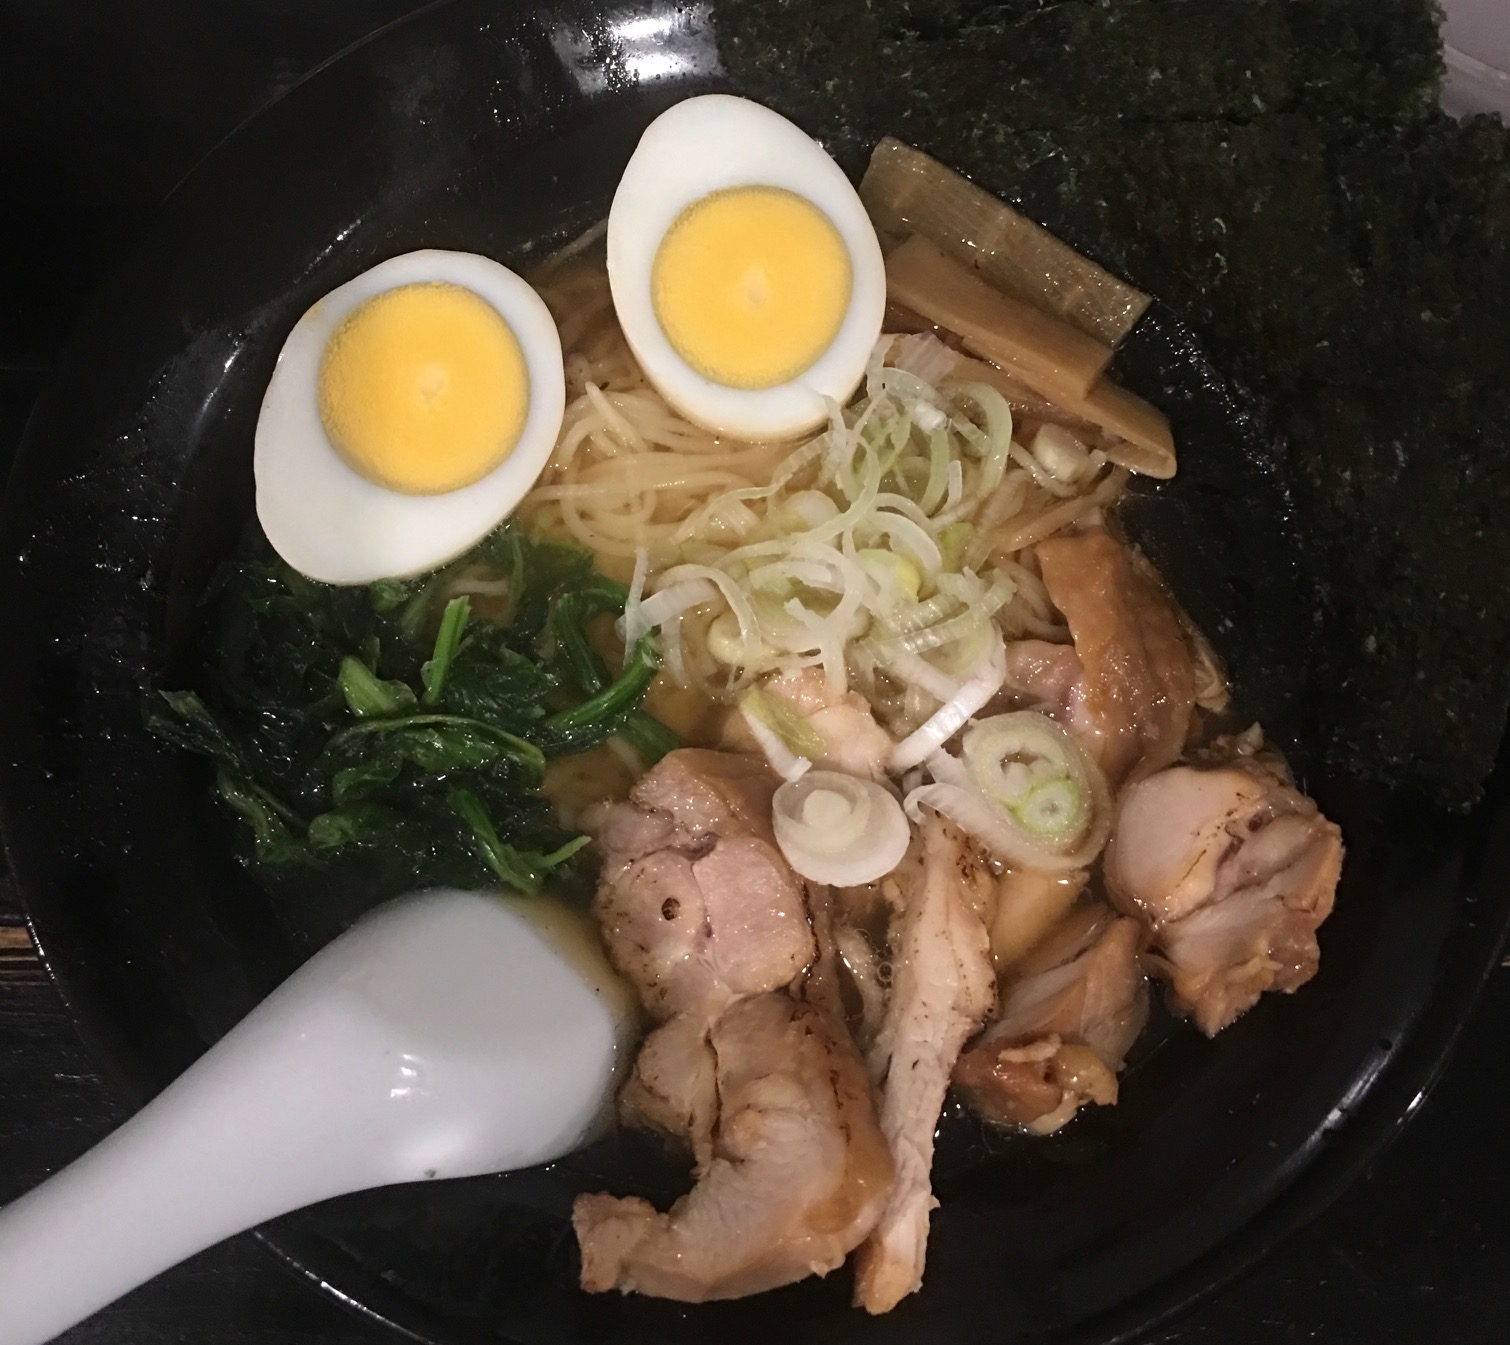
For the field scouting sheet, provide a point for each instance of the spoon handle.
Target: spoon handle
(444, 1035)
(227, 1146)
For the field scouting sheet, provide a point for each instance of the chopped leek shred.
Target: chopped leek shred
(862, 556)
(839, 829)
(1051, 810)
(954, 544)
(1025, 789)
(793, 730)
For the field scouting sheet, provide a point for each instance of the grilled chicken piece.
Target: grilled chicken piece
(1047, 677)
(719, 793)
(1067, 1020)
(696, 905)
(1138, 676)
(699, 910)
(853, 742)
(673, 1088)
(625, 833)
(797, 1174)
(1233, 870)
(943, 987)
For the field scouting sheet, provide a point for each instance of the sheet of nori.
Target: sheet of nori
(1277, 173)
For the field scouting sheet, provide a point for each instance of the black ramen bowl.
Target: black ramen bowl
(501, 130)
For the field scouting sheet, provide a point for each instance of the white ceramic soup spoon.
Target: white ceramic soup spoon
(448, 1034)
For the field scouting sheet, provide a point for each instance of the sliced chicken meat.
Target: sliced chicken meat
(943, 987)
(699, 910)
(718, 793)
(845, 734)
(1048, 677)
(1067, 1019)
(1232, 870)
(797, 1174)
(696, 905)
(673, 1088)
(1138, 675)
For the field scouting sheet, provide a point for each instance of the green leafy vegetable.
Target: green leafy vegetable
(568, 629)
(523, 869)
(190, 724)
(352, 824)
(650, 738)
(598, 718)
(368, 777)
(505, 688)
(447, 644)
(388, 594)
(368, 695)
(438, 743)
(267, 818)
(396, 735)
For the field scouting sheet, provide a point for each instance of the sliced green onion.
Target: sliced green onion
(954, 542)
(1053, 811)
(1024, 789)
(792, 728)
(897, 577)
(839, 829)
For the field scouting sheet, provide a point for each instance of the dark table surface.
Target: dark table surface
(103, 107)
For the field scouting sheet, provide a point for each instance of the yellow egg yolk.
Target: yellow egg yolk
(751, 285)
(423, 388)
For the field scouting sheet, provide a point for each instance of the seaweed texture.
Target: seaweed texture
(1277, 173)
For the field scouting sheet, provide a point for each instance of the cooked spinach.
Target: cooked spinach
(401, 730)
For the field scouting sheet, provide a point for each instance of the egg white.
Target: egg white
(708, 144)
(327, 520)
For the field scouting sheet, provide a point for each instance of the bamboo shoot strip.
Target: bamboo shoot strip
(906, 192)
(1044, 351)
(1141, 434)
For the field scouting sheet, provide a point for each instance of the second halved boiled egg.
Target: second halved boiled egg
(410, 410)
(745, 272)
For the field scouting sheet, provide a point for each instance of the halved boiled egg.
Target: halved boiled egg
(745, 272)
(409, 412)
